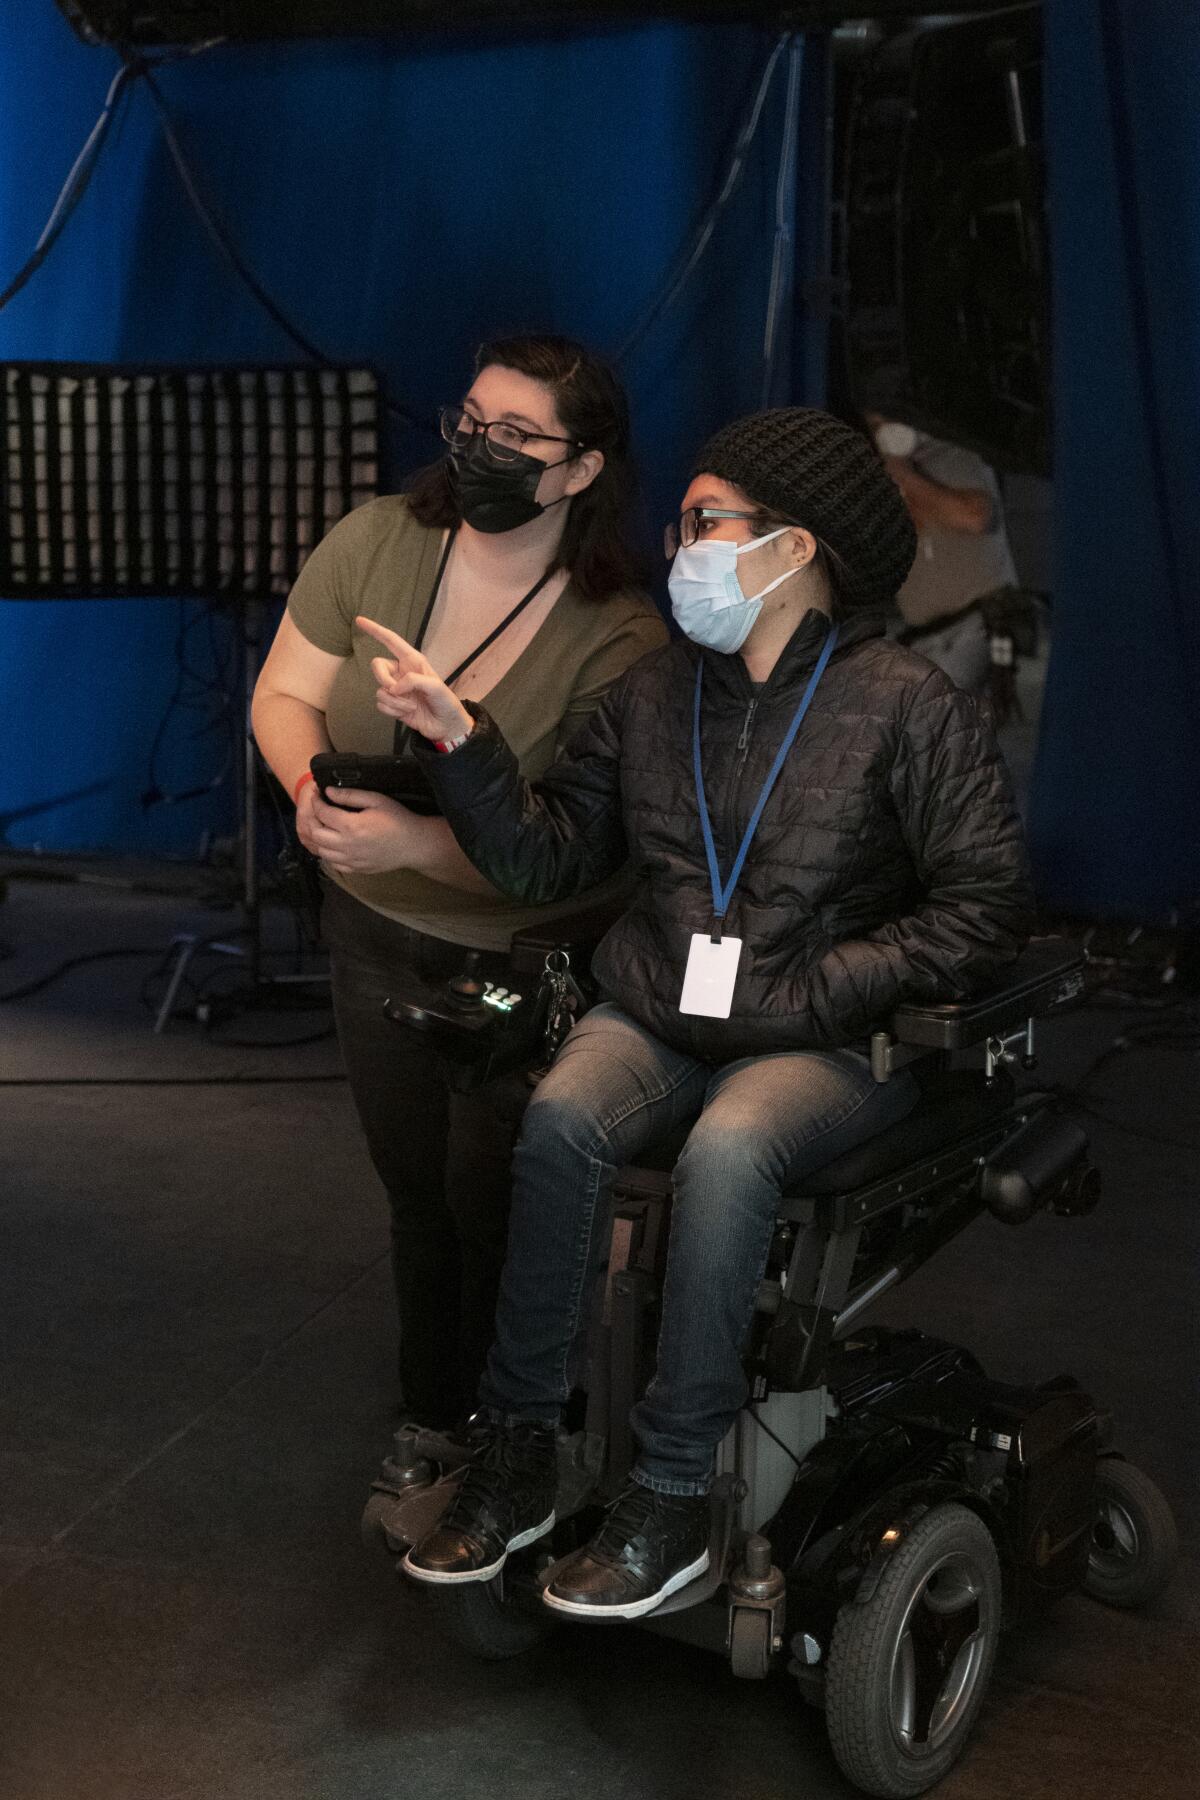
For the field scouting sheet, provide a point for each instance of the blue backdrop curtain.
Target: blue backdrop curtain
(1116, 803)
(401, 199)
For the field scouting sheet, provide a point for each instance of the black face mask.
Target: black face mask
(494, 496)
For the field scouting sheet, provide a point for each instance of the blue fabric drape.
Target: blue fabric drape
(401, 200)
(1116, 813)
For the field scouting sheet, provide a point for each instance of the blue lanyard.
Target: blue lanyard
(723, 895)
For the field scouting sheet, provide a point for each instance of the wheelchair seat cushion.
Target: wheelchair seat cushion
(950, 1108)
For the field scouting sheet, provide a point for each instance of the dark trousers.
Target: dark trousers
(444, 1157)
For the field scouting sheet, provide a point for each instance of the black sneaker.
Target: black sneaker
(504, 1501)
(649, 1546)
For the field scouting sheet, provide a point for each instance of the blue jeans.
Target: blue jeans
(764, 1122)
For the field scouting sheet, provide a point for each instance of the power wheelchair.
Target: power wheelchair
(881, 1509)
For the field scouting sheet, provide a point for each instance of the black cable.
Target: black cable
(40, 982)
(76, 184)
(774, 1435)
(225, 245)
(73, 962)
(84, 167)
(688, 256)
(1137, 1131)
(1174, 1026)
(212, 693)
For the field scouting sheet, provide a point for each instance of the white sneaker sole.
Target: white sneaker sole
(633, 1609)
(447, 1578)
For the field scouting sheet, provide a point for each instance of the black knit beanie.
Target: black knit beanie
(809, 467)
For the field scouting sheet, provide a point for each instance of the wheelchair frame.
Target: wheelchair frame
(855, 1447)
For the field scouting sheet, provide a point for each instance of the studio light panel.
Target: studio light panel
(206, 482)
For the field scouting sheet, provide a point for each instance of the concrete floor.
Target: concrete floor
(195, 1344)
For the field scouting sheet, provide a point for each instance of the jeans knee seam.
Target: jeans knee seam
(606, 1127)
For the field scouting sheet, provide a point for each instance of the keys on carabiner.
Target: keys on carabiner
(564, 1001)
(575, 994)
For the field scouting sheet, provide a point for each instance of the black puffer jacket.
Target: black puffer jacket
(888, 865)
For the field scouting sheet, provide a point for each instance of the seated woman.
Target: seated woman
(821, 828)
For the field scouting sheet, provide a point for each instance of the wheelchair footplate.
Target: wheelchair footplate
(723, 1509)
(401, 1520)
(409, 1497)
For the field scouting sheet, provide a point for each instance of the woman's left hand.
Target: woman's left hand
(379, 835)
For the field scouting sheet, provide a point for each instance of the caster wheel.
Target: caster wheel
(908, 1669)
(750, 1643)
(489, 1623)
(1134, 1540)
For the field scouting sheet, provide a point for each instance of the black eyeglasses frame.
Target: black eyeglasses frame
(450, 420)
(675, 535)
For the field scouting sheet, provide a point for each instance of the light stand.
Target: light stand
(201, 483)
(258, 981)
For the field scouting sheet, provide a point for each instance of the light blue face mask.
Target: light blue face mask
(706, 595)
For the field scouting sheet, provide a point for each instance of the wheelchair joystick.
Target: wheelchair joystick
(466, 989)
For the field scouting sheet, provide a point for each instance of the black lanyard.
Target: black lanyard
(400, 735)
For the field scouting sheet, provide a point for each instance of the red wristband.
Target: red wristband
(446, 745)
(296, 791)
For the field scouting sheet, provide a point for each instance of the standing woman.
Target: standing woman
(508, 562)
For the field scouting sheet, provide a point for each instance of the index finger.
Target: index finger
(400, 648)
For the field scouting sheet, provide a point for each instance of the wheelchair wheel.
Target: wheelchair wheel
(1134, 1540)
(909, 1667)
(489, 1623)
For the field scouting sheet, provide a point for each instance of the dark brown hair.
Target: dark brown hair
(591, 403)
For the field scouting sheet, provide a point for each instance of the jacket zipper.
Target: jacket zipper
(743, 742)
(743, 749)
(728, 812)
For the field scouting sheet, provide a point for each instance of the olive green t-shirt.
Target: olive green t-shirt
(380, 562)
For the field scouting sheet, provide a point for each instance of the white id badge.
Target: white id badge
(709, 977)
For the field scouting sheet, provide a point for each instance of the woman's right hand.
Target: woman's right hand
(411, 691)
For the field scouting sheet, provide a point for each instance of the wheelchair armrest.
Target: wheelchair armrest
(577, 933)
(1047, 973)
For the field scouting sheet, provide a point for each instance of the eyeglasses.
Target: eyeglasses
(691, 525)
(504, 442)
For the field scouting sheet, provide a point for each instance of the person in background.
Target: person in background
(509, 563)
(953, 498)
